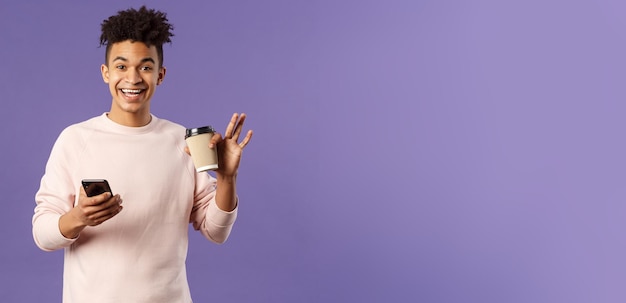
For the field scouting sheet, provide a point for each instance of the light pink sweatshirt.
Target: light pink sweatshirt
(138, 255)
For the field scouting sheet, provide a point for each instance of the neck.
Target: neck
(129, 119)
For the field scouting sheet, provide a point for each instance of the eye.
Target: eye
(146, 68)
(120, 67)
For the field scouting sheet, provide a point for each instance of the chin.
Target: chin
(129, 109)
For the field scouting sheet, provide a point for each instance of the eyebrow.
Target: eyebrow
(144, 60)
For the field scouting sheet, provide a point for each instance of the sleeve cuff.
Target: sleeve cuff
(47, 234)
(219, 217)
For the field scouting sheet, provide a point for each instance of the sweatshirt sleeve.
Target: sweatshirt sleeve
(214, 223)
(55, 197)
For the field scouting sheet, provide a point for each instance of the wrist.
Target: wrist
(226, 178)
(70, 226)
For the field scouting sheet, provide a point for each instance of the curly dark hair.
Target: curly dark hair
(144, 25)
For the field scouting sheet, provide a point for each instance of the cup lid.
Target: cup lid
(197, 131)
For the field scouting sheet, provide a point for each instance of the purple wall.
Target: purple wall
(404, 151)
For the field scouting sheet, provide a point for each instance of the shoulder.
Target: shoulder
(172, 128)
(169, 125)
(73, 138)
(78, 131)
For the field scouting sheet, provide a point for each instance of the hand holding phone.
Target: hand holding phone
(90, 211)
(94, 187)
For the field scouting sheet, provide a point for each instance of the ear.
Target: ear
(104, 70)
(161, 75)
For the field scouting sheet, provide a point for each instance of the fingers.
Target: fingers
(245, 140)
(104, 211)
(217, 138)
(105, 214)
(235, 127)
(233, 131)
(239, 126)
(231, 126)
(97, 209)
(95, 200)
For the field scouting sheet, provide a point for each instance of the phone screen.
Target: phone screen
(94, 187)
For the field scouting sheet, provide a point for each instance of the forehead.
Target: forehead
(132, 51)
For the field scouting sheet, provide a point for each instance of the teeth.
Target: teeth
(131, 91)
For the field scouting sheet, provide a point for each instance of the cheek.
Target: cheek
(113, 79)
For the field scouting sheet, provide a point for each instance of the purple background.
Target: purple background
(404, 151)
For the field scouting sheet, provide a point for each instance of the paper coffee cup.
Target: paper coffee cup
(203, 157)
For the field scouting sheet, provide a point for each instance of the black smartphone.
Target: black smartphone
(94, 187)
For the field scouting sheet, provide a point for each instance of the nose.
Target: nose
(132, 77)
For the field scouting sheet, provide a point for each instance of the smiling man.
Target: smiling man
(132, 246)
(133, 71)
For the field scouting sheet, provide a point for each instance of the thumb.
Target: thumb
(82, 193)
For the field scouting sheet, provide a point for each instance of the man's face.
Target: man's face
(132, 72)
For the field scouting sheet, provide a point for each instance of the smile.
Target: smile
(131, 92)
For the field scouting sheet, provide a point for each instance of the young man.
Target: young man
(131, 247)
